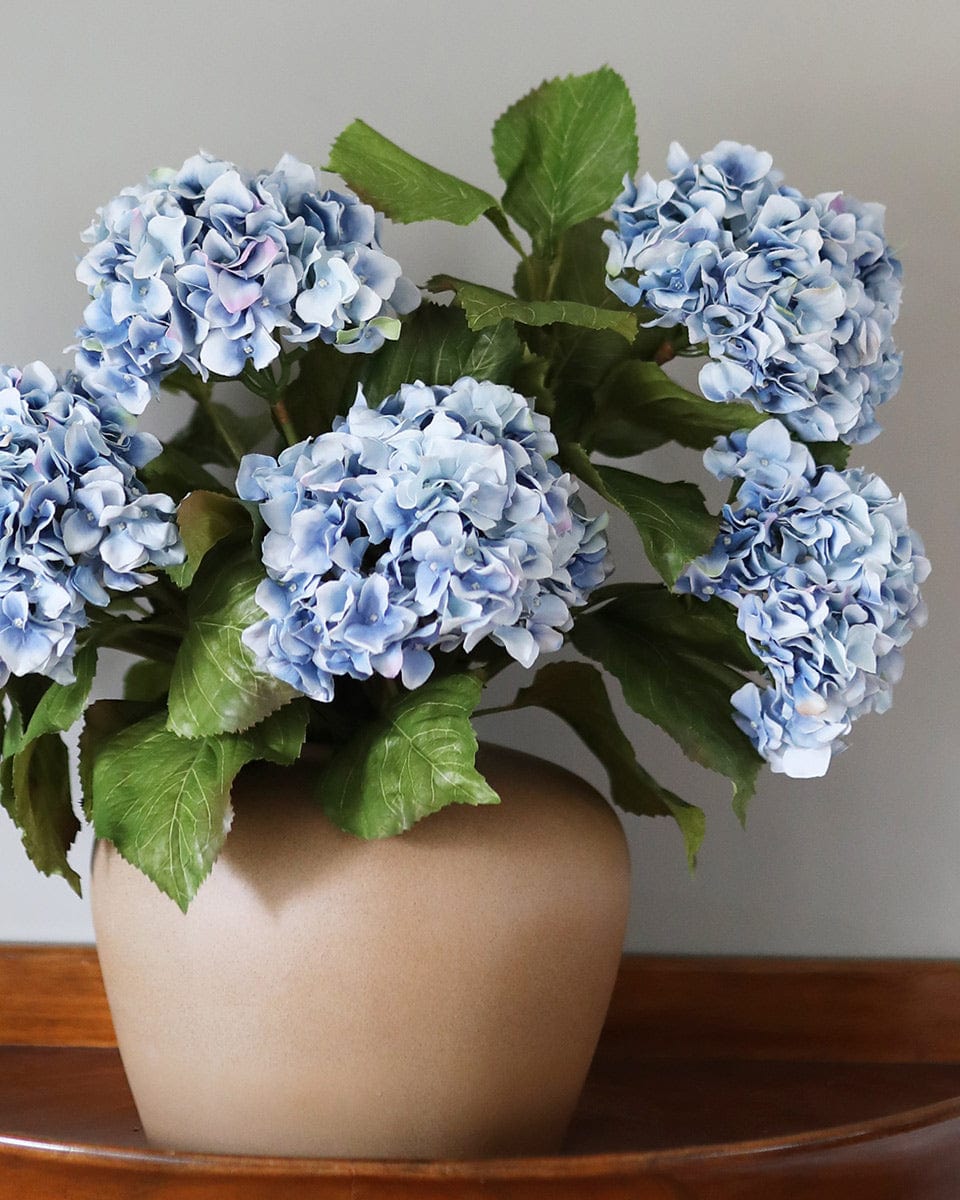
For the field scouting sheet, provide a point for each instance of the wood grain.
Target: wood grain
(835, 1010)
(716, 1079)
(53, 996)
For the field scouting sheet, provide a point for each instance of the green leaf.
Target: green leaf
(671, 683)
(563, 151)
(495, 354)
(36, 793)
(182, 379)
(705, 628)
(24, 693)
(12, 741)
(639, 407)
(830, 454)
(177, 473)
(62, 704)
(581, 359)
(671, 518)
(578, 272)
(487, 306)
(164, 801)
(102, 720)
(437, 347)
(280, 738)
(215, 687)
(573, 458)
(146, 681)
(325, 386)
(35, 773)
(201, 442)
(575, 692)
(205, 518)
(416, 760)
(404, 187)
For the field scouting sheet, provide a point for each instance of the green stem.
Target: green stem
(553, 276)
(492, 712)
(281, 418)
(272, 389)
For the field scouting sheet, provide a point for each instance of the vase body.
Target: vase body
(433, 995)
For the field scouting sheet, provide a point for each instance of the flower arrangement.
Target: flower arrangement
(422, 502)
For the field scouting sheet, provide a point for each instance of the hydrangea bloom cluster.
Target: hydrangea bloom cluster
(793, 298)
(211, 268)
(433, 521)
(824, 572)
(75, 522)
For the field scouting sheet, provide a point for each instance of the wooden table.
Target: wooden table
(715, 1079)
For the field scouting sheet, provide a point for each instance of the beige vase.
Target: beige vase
(434, 995)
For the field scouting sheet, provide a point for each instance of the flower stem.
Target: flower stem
(281, 418)
(492, 712)
(272, 388)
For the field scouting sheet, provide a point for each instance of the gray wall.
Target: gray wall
(858, 95)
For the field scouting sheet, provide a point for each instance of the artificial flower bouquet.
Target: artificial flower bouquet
(420, 499)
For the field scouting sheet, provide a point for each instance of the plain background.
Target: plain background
(862, 96)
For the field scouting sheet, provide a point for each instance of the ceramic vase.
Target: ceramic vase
(434, 995)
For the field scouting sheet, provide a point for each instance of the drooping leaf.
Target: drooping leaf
(485, 306)
(35, 792)
(205, 518)
(164, 801)
(25, 693)
(671, 518)
(35, 775)
(101, 721)
(404, 187)
(575, 692)
(563, 150)
(416, 760)
(62, 703)
(705, 628)
(672, 684)
(280, 738)
(639, 407)
(215, 686)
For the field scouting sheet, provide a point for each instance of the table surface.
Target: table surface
(725, 1079)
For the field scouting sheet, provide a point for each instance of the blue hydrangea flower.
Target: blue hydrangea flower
(794, 299)
(75, 521)
(431, 522)
(824, 573)
(214, 269)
